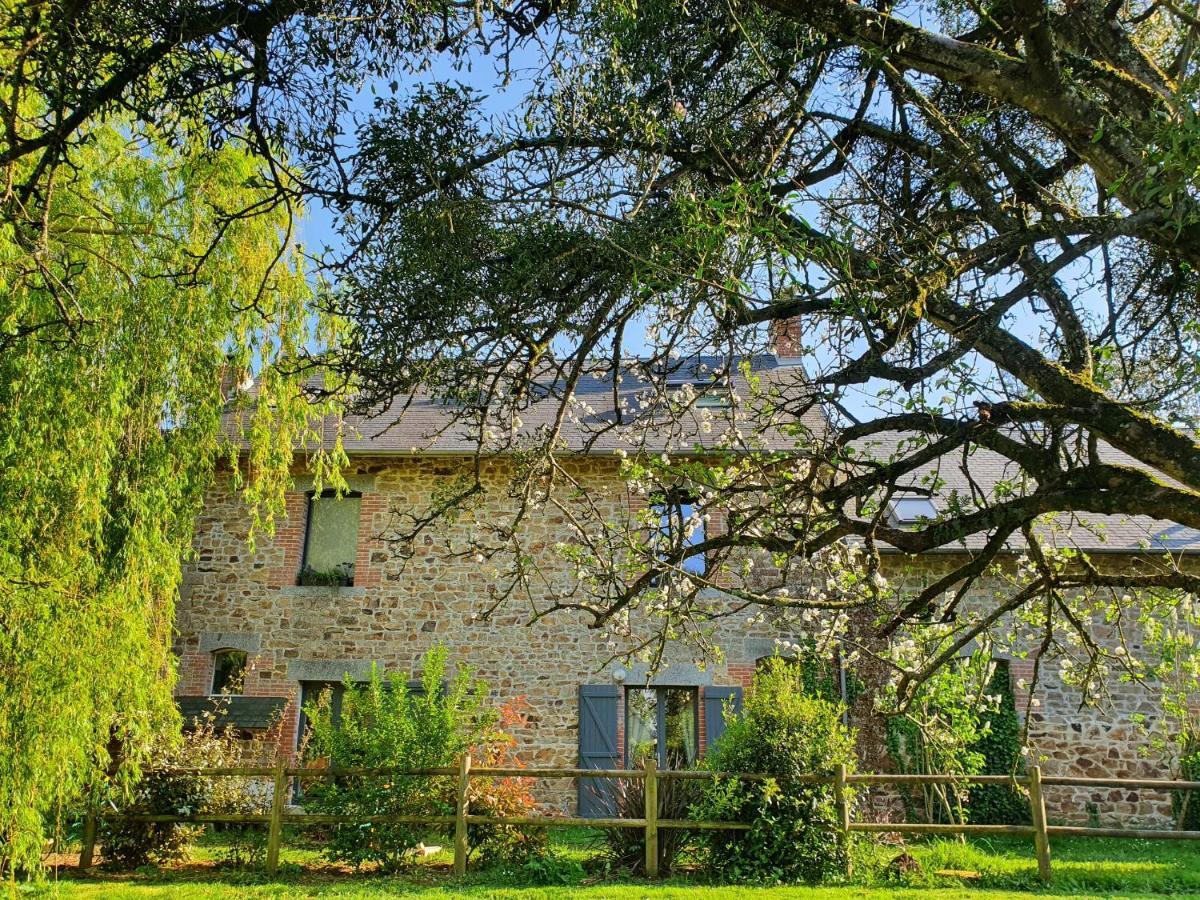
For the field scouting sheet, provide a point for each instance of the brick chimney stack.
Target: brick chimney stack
(234, 379)
(785, 337)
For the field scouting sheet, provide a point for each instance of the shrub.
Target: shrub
(938, 734)
(552, 869)
(508, 797)
(129, 844)
(793, 832)
(384, 725)
(625, 848)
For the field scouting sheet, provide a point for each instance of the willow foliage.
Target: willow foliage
(116, 323)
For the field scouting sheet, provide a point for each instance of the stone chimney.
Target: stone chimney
(784, 337)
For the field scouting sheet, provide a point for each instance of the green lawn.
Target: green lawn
(996, 868)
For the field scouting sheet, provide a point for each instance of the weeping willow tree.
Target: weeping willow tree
(155, 271)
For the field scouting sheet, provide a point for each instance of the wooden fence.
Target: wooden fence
(650, 823)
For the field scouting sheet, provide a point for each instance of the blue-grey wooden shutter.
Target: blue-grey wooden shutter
(598, 748)
(715, 699)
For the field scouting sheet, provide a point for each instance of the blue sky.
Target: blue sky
(501, 98)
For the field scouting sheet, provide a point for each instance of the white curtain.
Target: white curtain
(332, 533)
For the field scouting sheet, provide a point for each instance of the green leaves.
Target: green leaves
(118, 326)
(383, 724)
(784, 731)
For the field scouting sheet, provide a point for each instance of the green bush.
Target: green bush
(937, 734)
(382, 724)
(129, 844)
(956, 726)
(552, 869)
(1000, 745)
(793, 832)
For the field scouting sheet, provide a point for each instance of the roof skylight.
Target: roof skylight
(908, 510)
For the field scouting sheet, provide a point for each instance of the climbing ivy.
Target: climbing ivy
(1000, 746)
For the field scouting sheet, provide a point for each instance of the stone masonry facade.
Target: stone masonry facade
(1066, 737)
(397, 610)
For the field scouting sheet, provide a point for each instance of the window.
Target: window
(331, 540)
(710, 395)
(229, 672)
(715, 398)
(909, 510)
(661, 722)
(681, 526)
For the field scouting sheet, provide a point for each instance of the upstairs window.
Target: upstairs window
(708, 394)
(713, 396)
(331, 539)
(229, 672)
(909, 509)
(681, 526)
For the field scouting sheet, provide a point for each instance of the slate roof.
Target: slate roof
(232, 711)
(987, 470)
(427, 425)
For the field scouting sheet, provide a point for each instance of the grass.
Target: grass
(994, 869)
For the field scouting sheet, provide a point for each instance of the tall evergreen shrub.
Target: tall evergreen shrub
(785, 732)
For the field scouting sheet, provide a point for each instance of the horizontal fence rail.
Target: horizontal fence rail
(650, 823)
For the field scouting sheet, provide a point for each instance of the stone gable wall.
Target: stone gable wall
(1106, 740)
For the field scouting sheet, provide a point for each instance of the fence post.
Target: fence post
(650, 767)
(87, 849)
(842, 804)
(460, 814)
(275, 829)
(1037, 810)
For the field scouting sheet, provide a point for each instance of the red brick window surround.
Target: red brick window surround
(331, 539)
(294, 536)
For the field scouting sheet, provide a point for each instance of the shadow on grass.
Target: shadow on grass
(1082, 867)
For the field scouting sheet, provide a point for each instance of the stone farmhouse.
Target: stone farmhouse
(273, 629)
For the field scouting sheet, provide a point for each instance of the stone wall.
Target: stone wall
(1105, 739)
(398, 609)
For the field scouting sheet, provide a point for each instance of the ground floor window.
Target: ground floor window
(662, 723)
(229, 672)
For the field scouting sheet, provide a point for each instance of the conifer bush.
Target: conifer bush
(787, 733)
